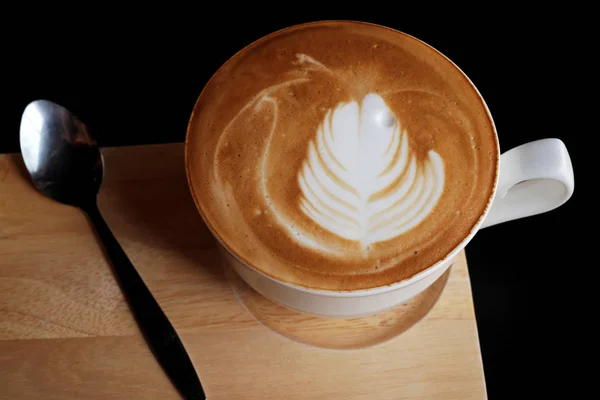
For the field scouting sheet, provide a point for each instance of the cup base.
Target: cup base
(335, 333)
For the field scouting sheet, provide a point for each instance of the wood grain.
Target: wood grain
(66, 331)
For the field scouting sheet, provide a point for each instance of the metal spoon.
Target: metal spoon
(66, 165)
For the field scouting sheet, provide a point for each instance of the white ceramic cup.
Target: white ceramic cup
(533, 178)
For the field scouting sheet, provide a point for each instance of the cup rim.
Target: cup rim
(356, 292)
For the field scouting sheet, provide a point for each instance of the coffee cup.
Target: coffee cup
(343, 165)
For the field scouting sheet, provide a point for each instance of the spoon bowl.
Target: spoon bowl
(61, 156)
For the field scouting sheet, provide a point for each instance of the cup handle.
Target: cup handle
(535, 177)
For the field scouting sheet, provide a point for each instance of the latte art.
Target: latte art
(340, 156)
(361, 181)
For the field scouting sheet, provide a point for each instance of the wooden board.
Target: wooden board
(66, 331)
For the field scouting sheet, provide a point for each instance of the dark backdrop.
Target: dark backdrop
(135, 79)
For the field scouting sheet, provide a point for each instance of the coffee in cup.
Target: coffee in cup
(341, 156)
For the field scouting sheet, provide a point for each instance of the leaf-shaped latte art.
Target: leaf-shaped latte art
(361, 180)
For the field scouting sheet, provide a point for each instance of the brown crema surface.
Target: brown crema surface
(250, 131)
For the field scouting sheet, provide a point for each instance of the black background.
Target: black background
(134, 79)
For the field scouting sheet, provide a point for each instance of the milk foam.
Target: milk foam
(361, 180)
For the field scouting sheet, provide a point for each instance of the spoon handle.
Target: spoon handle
(159, 333)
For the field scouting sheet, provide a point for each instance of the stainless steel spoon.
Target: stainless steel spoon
(66, 165)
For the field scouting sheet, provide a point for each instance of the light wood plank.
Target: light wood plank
(66, 331)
